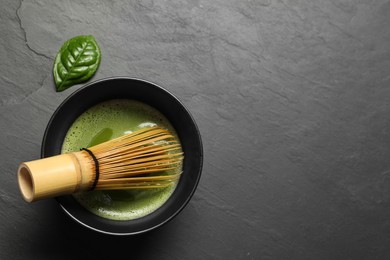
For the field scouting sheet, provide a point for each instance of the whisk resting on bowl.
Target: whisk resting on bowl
(132, 161)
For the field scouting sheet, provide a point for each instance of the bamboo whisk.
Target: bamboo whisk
(131, 161)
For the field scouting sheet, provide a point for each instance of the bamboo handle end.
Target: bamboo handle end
(49, 177)
(26, 184)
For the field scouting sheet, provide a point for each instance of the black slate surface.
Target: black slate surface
(292, 99)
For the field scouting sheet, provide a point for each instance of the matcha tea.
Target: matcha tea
(104, 122)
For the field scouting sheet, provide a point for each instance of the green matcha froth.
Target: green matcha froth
(104, 122)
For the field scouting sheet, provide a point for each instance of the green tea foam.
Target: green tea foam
(104, 122)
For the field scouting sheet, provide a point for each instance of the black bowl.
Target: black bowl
(155, 96)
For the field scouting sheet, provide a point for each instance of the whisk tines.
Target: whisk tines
(146, 152)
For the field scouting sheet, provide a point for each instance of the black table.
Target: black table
(292, 99)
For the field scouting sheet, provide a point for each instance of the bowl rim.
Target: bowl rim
(191, 118)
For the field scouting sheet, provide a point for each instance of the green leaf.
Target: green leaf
(76, 62)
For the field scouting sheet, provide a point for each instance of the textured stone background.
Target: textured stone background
(292, 99)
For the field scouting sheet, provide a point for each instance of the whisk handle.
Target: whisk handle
(49, 177)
